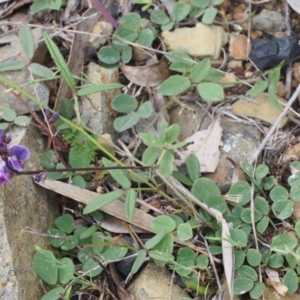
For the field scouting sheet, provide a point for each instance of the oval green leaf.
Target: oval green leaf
(174, 85)
(210, 91)
(44, 263)
(65, 223)
(125, 122)
(124, 103)
(109, 55)
(163, 223)
(184, 232)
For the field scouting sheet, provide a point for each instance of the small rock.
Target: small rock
(238, 46)
(200, 41)
(239, 13)
(97, 107)
(255, 34)
(188, 119)
(8, 99)
(240, 141)
(267, 54)
(154, 283)
(296, 212)
(281, 89)
(248, 74)
(269, 21)
(232, 64)
(296, 71)
(103, 30)
(23, 204)
(260, 108)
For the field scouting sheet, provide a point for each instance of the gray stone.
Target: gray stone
(8, 99)
(23, 205)
(153, 282)
(269, 22)
(97, 107)
(240, 141)
(39, 90)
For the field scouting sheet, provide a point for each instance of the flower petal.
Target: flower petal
(4, 173)
(22, 153)
(14, 164)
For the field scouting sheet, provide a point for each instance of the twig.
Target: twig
(277, 122)
(89, 169)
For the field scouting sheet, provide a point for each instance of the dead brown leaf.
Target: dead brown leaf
(274, 280)
(205, 145)
(148, 75)
(115, 208)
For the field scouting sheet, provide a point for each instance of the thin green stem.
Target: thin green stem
(90, 138)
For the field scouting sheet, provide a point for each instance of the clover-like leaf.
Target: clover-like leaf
(7, 114)
(166, 163)
(279, 193)
(283, 209)
(185, 260)
(45, 265)
(174, 85)
(180, 11)
(65, 223)
(209, 91)
(163, 223)
(109, 55)
(192, 166)
(66, 270)
(125, 122)
(284, 243)
(159, 17)
(257, 290)
(145, 109)
(242, 285)
(253, 257)
(54, 294)
(290, 280)
(124, 103)
(131, 20)
(200, 70)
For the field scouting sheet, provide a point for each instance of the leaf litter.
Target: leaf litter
(205, 144)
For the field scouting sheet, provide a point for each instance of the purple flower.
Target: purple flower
(13, 158)
(4, 173)
(18, 155)
(52, 118)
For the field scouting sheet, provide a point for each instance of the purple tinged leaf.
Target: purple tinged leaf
(106, 14)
